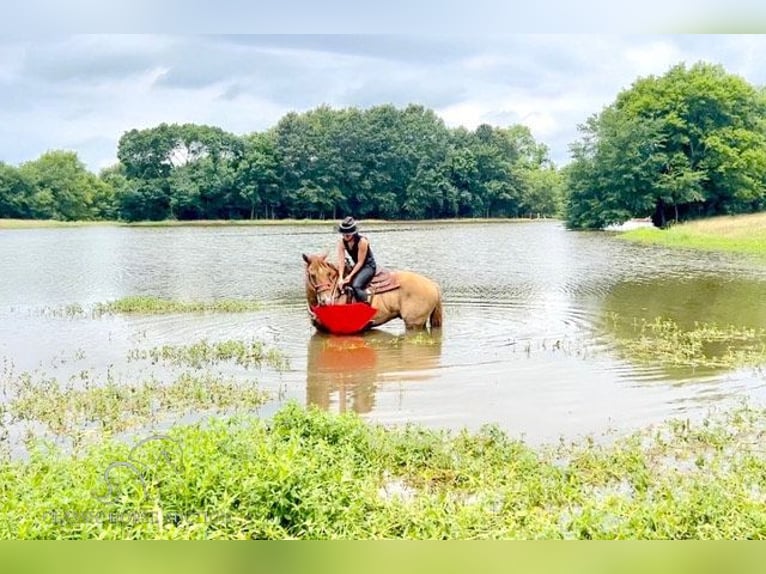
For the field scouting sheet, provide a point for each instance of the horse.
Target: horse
(409, 296)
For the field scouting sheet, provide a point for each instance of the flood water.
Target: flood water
(527, 343)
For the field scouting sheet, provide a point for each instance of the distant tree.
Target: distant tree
(115, 185)
(15, 192)
(62, 188)
(256, 179)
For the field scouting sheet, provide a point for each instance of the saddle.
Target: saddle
(383, 281)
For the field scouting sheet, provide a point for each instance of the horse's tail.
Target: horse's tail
(436, 314)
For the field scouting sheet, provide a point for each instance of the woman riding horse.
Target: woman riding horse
(358, 249)
(414, 298)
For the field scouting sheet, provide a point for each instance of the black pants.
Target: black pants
(360, 281)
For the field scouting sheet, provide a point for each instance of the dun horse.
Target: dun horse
(401, 294)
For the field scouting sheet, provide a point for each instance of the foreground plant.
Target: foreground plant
(308, 474)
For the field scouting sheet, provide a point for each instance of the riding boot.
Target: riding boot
(363, 296)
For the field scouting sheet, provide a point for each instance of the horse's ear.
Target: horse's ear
(323, 256)
(306, 258)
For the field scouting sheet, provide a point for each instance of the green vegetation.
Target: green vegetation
(43, 223)
(154, 306)
(689, 144)
(311, 475)
(247, 354)
(78, 406)
(739, 234)
(663, 342)
(55, 186)
(88, 405)
(148, 305)
(380, 162)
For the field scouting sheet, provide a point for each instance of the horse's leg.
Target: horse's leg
(415, 311)
(414, 316)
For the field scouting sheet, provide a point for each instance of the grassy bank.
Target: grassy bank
(311, 475)
(738, 234)
(45, 223)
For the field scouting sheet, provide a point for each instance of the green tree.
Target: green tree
(544, 193)
(115, 185)
(686, 144)
(257, 182)
(62, 188)
(15, 192)
(179, 171)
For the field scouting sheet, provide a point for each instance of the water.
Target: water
(526, 343)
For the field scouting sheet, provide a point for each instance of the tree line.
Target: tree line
(688, 144)
(382, 162)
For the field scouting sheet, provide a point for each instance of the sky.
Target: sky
(82, 92)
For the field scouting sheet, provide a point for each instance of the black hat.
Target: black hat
(348, 225)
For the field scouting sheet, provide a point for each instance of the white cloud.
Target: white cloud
(84, 92)
(653, 58)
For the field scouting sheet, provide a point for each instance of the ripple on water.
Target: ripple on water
(524, 344)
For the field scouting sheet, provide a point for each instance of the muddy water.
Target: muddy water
(527, 342)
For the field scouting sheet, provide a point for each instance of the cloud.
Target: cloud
(83, 92)
(88, 60)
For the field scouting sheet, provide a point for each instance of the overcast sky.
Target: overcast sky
(82, 93)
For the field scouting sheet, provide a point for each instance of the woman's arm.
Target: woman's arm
(363, 245)
(341, 261)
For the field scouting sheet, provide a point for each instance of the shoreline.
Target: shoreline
(49, 223)
(743, 234)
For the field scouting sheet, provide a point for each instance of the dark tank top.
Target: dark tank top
(353, 251)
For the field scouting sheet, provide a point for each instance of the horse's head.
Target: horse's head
(321, 279)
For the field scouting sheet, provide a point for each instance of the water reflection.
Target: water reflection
(527, 340)
(724, 300)
(347, 371)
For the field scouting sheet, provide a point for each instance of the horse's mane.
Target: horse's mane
(331, 265)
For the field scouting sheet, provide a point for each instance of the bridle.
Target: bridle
(322, 287)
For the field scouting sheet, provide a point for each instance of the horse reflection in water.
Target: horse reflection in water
(352, 368)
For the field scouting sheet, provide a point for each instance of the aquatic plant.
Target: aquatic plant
(83, 404)
(154, 305)
(245, 353)
(663, 341)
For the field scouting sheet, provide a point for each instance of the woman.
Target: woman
(358, 249)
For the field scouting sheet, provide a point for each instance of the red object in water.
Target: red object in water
(344, 319)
